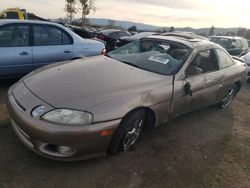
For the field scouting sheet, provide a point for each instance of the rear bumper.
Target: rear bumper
(44, 138)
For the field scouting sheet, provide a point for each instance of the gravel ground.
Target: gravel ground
(207, 148)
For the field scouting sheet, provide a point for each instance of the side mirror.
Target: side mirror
(188, 89)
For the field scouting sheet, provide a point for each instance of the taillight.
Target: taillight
(104, 51)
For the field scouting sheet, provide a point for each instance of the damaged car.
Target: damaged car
(100, 105)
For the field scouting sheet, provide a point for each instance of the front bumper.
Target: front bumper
(44, 138)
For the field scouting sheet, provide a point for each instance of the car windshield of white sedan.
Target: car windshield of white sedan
(155, 56)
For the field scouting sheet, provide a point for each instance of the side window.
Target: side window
(204, 62)
(224, 59)
(66, 39)
(49, 35)
(14, 36)
(123, 34)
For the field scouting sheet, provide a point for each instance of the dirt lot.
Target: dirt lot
(209, 148)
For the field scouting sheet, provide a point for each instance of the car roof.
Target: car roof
(227, 37)
(12, 21)
(190, 42)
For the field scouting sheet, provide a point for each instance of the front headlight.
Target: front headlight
(68, 117)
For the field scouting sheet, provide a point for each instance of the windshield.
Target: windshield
(224, 42)
(155, 56)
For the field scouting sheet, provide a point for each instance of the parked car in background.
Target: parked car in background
(26, 45)
(99, 105)
(85, 34)
(248, 41)
(21, 14)
(111, 37)
(246, 58)
(125, 40)
(234, 45)
(82, 32)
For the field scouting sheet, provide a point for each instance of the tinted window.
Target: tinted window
(114, 35)
(224, 59)
(49, 35)
(11, 15)
(66, 39)
(204, 61)
(123, 34)
(224, 42)
(155, 56)
(14, 36)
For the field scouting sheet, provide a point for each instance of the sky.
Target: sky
(177, 13)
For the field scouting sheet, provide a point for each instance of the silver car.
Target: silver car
(26, 45)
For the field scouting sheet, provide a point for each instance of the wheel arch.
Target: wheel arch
(150, 116)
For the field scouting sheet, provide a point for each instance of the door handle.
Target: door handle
(23, 53)
(67, 51)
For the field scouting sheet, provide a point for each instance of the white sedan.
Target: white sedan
(27, 44)
(246, 58)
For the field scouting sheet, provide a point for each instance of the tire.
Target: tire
(128, 132)
(228, 99)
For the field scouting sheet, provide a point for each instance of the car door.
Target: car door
(15, 50)
(51, 44)
(226, 66)
(201, 84)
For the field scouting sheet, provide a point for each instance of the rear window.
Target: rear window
(12, 15)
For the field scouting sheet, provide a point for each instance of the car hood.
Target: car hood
(85, 83)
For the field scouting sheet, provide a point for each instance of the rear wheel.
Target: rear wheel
(128, 132)
(228, 99)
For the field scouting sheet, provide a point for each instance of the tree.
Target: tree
(70, 8)
(211, 32)
(86, 6)
(171, 29)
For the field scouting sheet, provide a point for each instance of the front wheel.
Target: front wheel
(128, 132)
(228, 99)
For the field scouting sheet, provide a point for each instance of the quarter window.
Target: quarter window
(224, 59)
(49, 35)
(14, 36)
